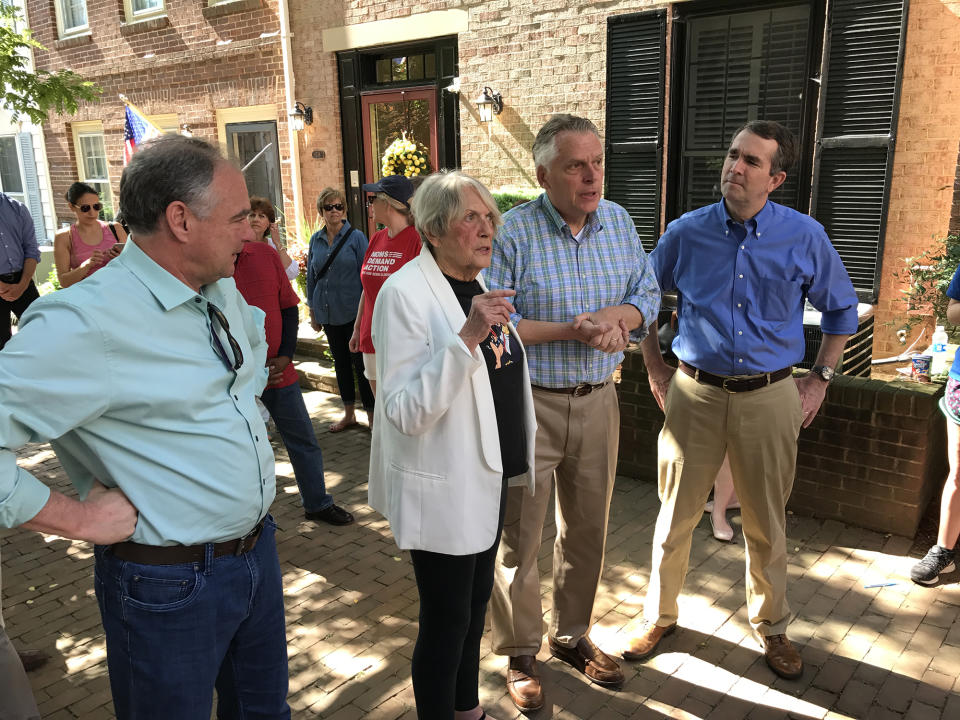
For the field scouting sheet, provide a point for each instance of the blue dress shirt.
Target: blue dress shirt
(742, 287)
(557, 277)
(18, 240)
(334, 297)
(121, 373)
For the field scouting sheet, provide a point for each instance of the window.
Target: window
(137, 10)
(166, 123)
(11, 179)
(405, 68)
(71, 17)
(92, 162)
(735, 63)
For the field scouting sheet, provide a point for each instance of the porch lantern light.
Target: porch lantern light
(489, 104)
(300, 116)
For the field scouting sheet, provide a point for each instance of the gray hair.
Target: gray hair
(545, 145)
(438, 202)
(167, 169)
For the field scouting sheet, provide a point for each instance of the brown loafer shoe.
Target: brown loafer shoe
(523, 683)
(782, 656)
(644, 644)
(33, 659)
(590, 660)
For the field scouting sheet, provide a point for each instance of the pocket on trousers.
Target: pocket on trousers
(163, 588)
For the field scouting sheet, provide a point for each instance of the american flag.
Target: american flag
(137, 130)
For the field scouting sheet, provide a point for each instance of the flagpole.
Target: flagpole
(126, 101)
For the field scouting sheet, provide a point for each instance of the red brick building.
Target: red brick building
(214, 69)
(870, 86)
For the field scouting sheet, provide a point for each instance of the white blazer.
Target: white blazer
(435, 466)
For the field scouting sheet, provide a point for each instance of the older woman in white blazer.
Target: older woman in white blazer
(454, 424)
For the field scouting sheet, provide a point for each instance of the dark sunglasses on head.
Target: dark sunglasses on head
(95, 206)
(336, 206)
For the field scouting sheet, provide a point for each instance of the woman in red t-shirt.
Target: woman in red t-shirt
(389, 250)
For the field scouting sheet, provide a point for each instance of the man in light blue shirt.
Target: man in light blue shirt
(583, 284)
(143, 377)
(742, 269)
(19, 256)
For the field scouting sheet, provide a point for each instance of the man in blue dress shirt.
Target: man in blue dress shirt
(19, 256)
(742, 269)
(143, 377)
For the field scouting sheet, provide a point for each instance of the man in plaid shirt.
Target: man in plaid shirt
(583, 287)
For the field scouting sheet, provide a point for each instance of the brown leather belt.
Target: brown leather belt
(736, 385)
(178, 554)
(577, 390)
(12, 277)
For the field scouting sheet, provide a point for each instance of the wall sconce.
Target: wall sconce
(300, 116)
(489, 104)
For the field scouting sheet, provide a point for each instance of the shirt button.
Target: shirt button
(741, 360)
(739, 304)
(743, 247)
(740, 276)
(739, 332)
(257, 438)
(197, 300)
(236, 397)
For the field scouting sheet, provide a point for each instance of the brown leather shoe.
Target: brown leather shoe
(33, 659)
(590, 660)
(523, 683)
(782, 656)
(645, 643)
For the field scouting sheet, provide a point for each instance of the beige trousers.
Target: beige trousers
(577, 442)
(759, 430)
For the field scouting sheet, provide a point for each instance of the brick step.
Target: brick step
(313, 367)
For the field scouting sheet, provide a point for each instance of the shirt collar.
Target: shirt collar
(168, 290)
(593, 219)
(758, 221)
(344, 229)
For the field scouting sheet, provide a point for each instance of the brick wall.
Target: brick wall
(544, 56)
(925, 165)
(874, 456)
(955, 207)
(166, 65)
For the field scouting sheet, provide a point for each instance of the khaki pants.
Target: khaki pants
(577, 441)
(759, 430)
(16, 696)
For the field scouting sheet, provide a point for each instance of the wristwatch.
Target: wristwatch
(823, 372)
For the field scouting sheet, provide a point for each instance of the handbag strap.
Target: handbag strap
(113, 229)
(332, 256)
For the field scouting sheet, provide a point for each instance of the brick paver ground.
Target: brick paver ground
(870, 652)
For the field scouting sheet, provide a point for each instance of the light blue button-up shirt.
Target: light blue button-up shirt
(121, 373)
(742, 287)
(557, 277)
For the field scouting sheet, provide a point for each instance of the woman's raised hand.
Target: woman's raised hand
(486, 310)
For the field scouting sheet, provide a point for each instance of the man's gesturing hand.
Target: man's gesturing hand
(486, 310)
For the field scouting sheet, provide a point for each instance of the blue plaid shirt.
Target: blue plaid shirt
(557, 277)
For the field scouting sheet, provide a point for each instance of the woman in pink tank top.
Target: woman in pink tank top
(88, 244)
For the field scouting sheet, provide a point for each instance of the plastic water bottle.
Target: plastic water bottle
(939, 351)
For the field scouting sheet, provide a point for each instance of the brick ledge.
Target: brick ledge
(74, 41)
(228, 8)
(155, 23)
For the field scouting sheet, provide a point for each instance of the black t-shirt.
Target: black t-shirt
(504, 358)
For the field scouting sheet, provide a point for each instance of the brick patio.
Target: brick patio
(886, 652)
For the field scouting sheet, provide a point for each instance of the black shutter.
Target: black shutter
(861, 90)
(636, 50)
(448, 106)
(351, 127)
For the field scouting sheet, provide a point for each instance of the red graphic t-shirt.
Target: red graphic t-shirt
(385, 255)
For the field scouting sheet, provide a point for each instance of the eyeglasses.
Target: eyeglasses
(95, 206)
(336, 206)
(214, 312)
(371, 199)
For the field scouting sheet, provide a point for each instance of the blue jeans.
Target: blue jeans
(290, 414)
(174, 632)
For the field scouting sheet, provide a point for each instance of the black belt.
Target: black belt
(736, 385)
(178, 554)
(577, 390)
(11, 277)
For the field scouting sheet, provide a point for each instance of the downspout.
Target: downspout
(283, 13)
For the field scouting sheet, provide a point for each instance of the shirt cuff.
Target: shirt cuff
(27, 499)
(839, 322)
